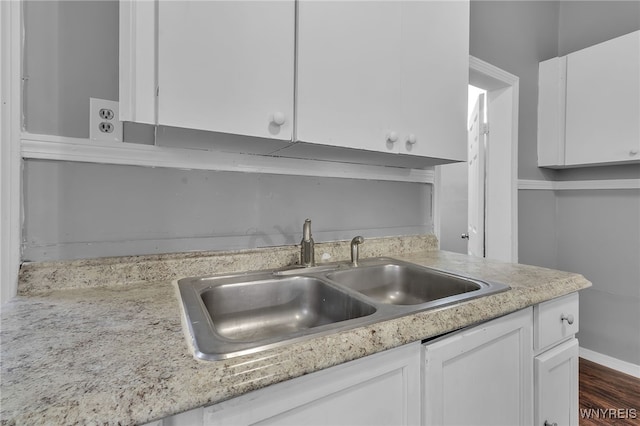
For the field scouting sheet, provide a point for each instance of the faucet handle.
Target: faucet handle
(307, 251)
(355, 253)
(306, 230)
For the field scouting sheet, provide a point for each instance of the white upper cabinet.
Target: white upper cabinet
(384, 76)
(348, 90)
(227, 66)
(351, 81)
(435, 79)
(589, 105)
(603, 102)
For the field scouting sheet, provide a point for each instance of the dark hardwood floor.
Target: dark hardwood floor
(607, 397)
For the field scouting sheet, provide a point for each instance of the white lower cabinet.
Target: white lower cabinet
(481, 376)
(381, 389)
(519, 369)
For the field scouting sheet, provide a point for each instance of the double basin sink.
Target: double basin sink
(232, 315)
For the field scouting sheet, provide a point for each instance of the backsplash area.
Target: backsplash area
(41, 277)
(83, 210)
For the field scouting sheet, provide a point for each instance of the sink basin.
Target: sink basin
(400, 284)
(232, 315)
(260, 310)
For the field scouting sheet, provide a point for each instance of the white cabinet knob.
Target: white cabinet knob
(633, 152)
(568, 318)
(392, 137)
(278, 118)
(411, 139)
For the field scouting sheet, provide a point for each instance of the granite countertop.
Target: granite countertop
(116, 353)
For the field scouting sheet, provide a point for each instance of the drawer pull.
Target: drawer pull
(546, 423)
(567, 318)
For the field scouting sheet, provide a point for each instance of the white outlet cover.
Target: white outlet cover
(95, 105)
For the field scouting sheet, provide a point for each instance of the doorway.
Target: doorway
(499, 201)
(456, 180)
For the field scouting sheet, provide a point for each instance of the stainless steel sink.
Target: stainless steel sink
(400, 284)
(231, 315)
(237, 314)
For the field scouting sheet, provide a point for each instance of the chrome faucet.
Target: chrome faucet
(354, 249)
(307, 252)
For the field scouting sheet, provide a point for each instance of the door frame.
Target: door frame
(10, 159)
(501, 191)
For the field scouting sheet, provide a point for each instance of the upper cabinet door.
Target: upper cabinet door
(603, 102)
(348, 86)
(386, 76)
(227, 66)
(435, 74)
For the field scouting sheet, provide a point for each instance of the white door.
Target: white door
(477, 140)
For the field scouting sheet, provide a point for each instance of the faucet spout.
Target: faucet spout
(355, 254)
(307, 252)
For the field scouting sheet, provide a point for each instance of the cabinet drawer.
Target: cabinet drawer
(555, 321)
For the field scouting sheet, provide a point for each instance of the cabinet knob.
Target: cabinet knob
(278, 118)
(392, 137)
(411, 139)
(567, 318)
(546, 423)
(633, 152)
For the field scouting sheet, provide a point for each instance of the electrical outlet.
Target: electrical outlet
(104, 123)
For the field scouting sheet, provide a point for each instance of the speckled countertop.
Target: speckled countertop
(78, 347)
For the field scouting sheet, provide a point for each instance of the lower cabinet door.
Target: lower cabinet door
(381, 389)
(556, 376)
(481, 376)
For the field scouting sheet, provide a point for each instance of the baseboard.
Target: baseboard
(611, 362)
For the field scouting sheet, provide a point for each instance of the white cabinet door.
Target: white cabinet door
(227, 66)
(348, 81)
(603, 102)
(384, 76)
(481, 376)
(381, 389)
(556, 383)
(435, 74)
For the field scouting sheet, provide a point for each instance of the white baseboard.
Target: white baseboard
(611, 362)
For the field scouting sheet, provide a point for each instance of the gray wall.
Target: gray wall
(75, 210)
(516, 36)
(593, 232)
(585, 23)
(71, 54)
(599, 230)
(599, 237)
